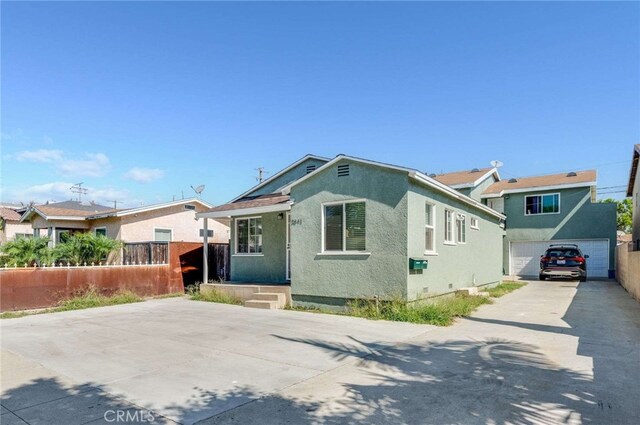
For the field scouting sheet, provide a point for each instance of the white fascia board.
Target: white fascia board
(538, 189)
(66, 217)
(422, 178)
(279, 173)
(245, 211)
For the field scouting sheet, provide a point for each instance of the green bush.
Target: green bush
(27, 252)
(85, 248)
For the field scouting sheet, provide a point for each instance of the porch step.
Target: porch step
(271, 296)
(267, 305)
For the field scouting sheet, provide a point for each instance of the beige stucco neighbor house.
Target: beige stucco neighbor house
(11, 227)
(170, 221)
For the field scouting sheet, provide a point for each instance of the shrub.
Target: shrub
(85, 248)
(27, 252)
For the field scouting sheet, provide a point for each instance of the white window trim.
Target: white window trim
(471, 220)
(323, 251)
(464, 225)
(453, 236)
(162, 228)
(235, 238)
(542, 194)
(95, 231)
(433, 227)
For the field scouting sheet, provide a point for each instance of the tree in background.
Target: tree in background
(26, 252)
(624, 210)
(85, 248)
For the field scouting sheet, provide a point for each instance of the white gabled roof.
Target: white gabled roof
(278, 174)
(145, 208)
(414, 174)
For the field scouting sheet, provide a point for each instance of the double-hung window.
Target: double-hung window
(461, 228)
(429, 229)
(345, 227)
(542, 204)
(448, 227)
(474, 223)
(249, 235)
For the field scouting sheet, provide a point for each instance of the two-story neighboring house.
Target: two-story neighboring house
(555, 208)
(633, 190)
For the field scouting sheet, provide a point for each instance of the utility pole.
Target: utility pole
(78, 189)
(115, 204)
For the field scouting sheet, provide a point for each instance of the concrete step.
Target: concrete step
(267, 305)
(270, 296)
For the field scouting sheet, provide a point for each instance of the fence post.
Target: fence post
(205, 251)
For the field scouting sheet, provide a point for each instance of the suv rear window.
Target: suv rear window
(563, 253)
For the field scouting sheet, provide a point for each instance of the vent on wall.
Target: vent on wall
(311, 168)
(189, 207)
(343, 170)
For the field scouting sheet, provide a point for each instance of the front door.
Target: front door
(288, 243)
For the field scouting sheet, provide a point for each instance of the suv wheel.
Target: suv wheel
(542, 277)
(583, 278)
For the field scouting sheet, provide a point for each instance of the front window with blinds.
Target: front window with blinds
(249, 235)
(448, 226)
(345, 227)
(429, 229)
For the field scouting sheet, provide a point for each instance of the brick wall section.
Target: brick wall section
(28, 288)
(628, 269)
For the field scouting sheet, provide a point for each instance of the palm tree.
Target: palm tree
(85, 248)
(27, 251)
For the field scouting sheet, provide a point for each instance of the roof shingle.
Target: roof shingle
(253, 202)
(9, 215)
(588, 176)
(461, 177)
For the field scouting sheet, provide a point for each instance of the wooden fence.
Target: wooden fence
(145, 253)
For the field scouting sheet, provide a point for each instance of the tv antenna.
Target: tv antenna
(496, 164)
(79, 190)
(261, 173)
(198, 190)
(115, 203)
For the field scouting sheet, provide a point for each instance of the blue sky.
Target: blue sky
(141, 100)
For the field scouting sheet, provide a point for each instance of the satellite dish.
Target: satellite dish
(496, 164)
(198, 190)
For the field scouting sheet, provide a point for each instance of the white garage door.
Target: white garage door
(525, 256)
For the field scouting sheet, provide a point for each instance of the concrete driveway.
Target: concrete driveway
(552, 352)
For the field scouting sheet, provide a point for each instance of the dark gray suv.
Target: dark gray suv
(564, 260)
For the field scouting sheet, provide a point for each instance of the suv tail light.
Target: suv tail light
(545, 259)
(580, 260)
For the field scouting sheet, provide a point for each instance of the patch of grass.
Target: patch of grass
(440, 312)
(171, 295)
(504, 288)
(83, 300)
(215, 296)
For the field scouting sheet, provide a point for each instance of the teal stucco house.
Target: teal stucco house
(344, 228)
(541, 210)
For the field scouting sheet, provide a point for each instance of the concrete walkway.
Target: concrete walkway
(552, 352)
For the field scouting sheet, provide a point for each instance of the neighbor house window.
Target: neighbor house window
(461, 228)
(101, 231)
(209, 233)
(345, 227)
(249, 235)
(542, 204)
(429, 228)
(162, 235)
(448, 226)
(474, 223)
(23, 236)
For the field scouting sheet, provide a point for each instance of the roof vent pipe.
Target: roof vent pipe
(572, 174)
(513, 180)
